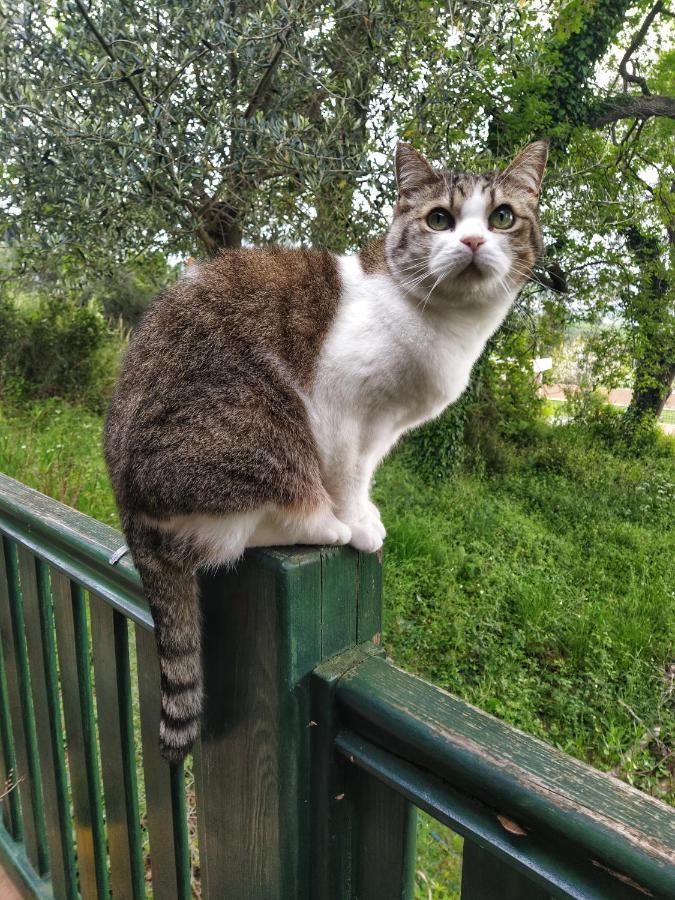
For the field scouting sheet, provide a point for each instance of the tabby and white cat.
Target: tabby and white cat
(262, 390)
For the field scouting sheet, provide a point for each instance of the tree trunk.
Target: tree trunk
(650, 398)
(219, 227)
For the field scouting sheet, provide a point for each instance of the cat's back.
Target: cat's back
(238, 288)
(279, 299)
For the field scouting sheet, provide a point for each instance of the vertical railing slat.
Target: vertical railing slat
(74, 666)
(11, 807)
(385, 839)
(485, 875)
(164, 786)
(23, 723)
(41, 649)
(113, 702)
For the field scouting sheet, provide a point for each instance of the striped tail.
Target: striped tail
(174, 603)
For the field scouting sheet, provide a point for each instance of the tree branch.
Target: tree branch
(635, 43)
(107, 46)
(263, 84)
(627, 106)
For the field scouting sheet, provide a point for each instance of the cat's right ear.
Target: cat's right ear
(412, 170)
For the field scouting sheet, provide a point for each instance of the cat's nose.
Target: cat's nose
(473, 242)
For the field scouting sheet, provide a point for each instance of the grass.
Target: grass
(543, 594)
(55, 447)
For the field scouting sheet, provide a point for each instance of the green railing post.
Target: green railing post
(267, 625)
(364, 832)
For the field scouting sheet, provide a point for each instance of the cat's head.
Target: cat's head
(462, 236)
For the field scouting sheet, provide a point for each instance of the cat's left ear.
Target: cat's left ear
(527, 169)
(412, 170)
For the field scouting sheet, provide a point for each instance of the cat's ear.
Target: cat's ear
(527, 169)
(412, 170)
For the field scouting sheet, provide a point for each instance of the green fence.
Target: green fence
(315, 750)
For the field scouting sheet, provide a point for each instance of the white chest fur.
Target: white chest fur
(389, 363)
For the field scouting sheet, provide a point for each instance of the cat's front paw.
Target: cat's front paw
(367, 535)
(374, 517)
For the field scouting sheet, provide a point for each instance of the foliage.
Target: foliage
(55, 447)
(437, 448)
(508, 407)
(182, 129)
(185, 127)
(608, 359)
(542, 594)
(438, 867)
(59, 350)
(124, 294)
(621, 433)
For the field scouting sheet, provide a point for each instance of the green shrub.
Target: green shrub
(437, 448)
(57, 349)
(125, 294)
(617, 429)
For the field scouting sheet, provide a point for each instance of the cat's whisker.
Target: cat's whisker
(440, 278)
(415, 276)
(411, 285)
(422, 264)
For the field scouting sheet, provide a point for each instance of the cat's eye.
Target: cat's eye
(440, 220)
(502, 217)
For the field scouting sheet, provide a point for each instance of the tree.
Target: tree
(651, 312)
(129, 124)
(563, 101)
(194, 125)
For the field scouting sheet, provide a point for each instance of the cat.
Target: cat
(261, 391)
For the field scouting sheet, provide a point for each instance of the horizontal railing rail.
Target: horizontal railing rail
(79, 546)
(577, 831)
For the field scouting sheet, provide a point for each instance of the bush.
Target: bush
(617, 429)
(125, 294)
(508, 410)
(437, 448)
(57, 350)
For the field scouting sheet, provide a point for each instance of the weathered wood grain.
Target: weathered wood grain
(526, 779)
(113, 704)
(385, 846)
(484, 876)
(74, 666)
(168, 836)
(27, 774)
